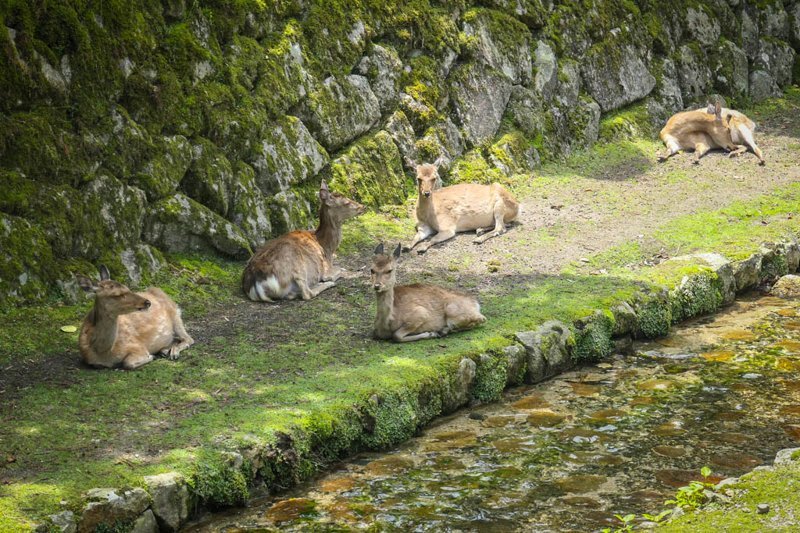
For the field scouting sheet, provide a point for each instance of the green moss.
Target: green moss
(474, 168)
(773, 266)
(389, 418)
(593, 337)
(216, 482)
(490, 377)
(371, 172)
(699, 293)
(426, 86)
(630, 122)
(653, 316)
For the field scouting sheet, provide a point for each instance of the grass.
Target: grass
(302, 366)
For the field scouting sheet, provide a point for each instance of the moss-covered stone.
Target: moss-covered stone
(26, 265)
(490, 377)
(442, 141)
(248, 207)
(217, 482)
(209, 178)
(479, 96)
(339, 110)
(370, 172)
(382, 67)
(474, 168)
(653, 315)
(502, 42)
(160, 176)
(179, 224)
(389, 418)
(593, 337)
(699, 293)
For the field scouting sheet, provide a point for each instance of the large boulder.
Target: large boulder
(501, 41)
(112, 215)
(160, 176)
(615, 74)
(339, 110)
(248, 207)
(776, 58)
(209, 178)
(548, 350)
(399, 129)
(382, 67)
(108, 507)
(479, 97)
(26, 264)
(287, 155)
(171, 499)
(546, 64)
(787, 287)
(370, 172)
(694, 73)
(179, 224)
(730, 70)
(762, 86)
(702, 26)
(441, 141)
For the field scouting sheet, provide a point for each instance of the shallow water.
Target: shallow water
(567, 454)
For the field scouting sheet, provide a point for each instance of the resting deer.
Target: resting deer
(741, 131)
(414, 312)
(700, 130)
(300, 263)
(463, 207)
(126, 329)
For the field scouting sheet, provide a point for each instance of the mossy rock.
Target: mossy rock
(217, 482)
(160, 176)
(382, 67)
(513, 153)
(473, 167)
(292, 209)
(248, 207)
(699, 293)
(209, 178)
(111, 217)
(502, 42)
(694, 73)
(593, 337)
(27, 264)
(653, 315)
(285, 155)
(615, 73)
(441, 141)
(479, 96)
(129, 145)
(370, 172)
(533, 13)
(389, 419)
(180, 224)
(424, 92)
(399, 129)
(340, 110)
(490, 377)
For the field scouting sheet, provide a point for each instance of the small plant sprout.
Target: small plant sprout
(693, 495)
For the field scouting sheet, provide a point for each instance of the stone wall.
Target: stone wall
(132, 129)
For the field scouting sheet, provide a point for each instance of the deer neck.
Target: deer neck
(329, 232)
(383, 317)
(424, 206)
(105, 329)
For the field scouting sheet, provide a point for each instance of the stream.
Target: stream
(568, 454)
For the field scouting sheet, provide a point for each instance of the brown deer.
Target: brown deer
(125, 328)
(699, 130)
(741, 130)
(462, 207)
(300, 263)
(414, 312)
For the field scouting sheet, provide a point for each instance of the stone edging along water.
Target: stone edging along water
(169, 500)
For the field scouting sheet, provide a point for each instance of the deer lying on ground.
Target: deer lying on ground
(700, 130)
(126, 328)
(463, 207)
(300, 263)
(741, 131)
(414, 312)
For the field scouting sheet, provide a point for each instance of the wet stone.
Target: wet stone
(498, 421)
(545, 418)
(339, 484)
(789, 346)
(291, 509)
(389, 465)
(787, 364)
(607, 415)
(790, 410)
(534, 401)
(736, 461)
(739, 335)
(585, 389)
(670, 451)
(581, 483)
(655, 384)
(793, 431)
(583, 502)
(718, 355)
(669, 429)
(732, 438)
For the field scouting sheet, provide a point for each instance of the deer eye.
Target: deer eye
(372, 270)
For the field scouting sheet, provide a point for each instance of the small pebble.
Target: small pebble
(476, 416)
(762, 508)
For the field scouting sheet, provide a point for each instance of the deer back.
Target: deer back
(463, 207)
(284, 258)
(682, 126)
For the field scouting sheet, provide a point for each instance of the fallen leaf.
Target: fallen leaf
(69, 329)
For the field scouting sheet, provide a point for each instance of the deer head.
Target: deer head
(427, 178)
(337, 206)
(382, 272)
(113, 297)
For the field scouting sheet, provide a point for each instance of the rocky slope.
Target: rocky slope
(136, 128)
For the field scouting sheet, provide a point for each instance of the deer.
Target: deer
(125, 328)
(409, 313)
(697, 130)
(300, 263)
(443, 212)
(741, 130)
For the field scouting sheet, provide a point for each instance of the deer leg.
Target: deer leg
(499, 225)
(442, 236)
(700, 149)
(402, 335)
(332, 274)
(306, 292)
(184, 340)
(740, 149)
(423, 232)
(136, 359)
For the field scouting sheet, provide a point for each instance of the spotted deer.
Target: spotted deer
(699, 130)
(300, 263)
(126, 328)
(414, 312)
(442, 213)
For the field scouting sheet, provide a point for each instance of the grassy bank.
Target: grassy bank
(309, 371)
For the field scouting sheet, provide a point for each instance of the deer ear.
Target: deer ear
(379, 249)
(324, 192)
(728, 118)
(104, 274)
(718, 110)
(710, 109)
(86, 284)
(397, 251)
